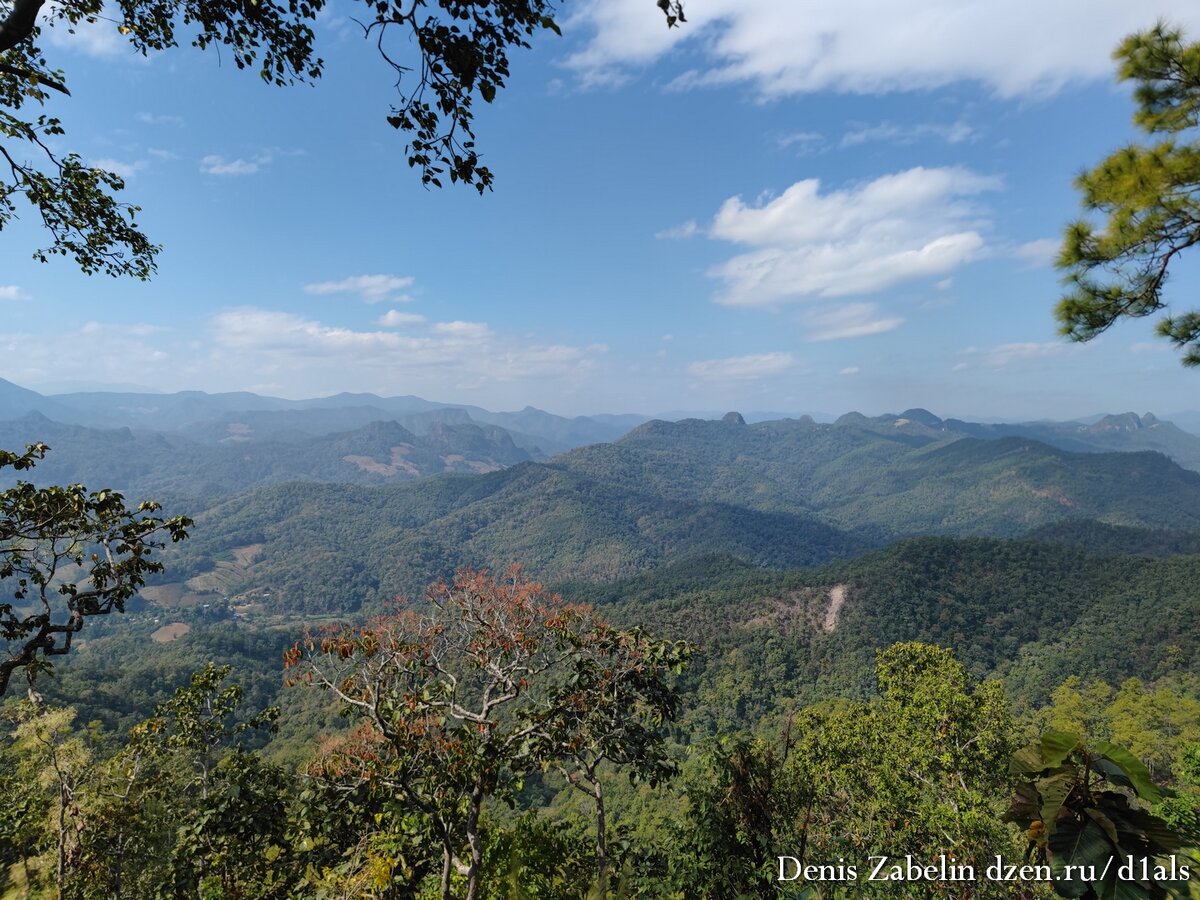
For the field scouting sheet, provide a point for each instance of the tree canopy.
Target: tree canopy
(1149, 196)
(446, 55)
(65, 555)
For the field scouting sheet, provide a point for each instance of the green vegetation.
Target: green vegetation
(780, 495)
(1148, 197)
(67, 555)
(799, 728)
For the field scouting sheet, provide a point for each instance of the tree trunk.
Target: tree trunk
(447, 864)
(601, 838)
(62, 841)
(17, 27)
(475, 841)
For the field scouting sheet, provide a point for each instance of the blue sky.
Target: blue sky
(780, 206)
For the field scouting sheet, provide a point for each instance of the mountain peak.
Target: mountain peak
(733, 418)
(921, 416)
(1129, 421)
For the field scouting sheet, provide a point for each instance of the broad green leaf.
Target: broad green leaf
(1056, 747)
(1135, 771)
(1054, 792)
(1077, 844)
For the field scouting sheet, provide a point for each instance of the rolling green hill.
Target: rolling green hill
(781, 494)
(1033, 612)
(334, 547)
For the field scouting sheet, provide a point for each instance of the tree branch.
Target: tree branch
(20, 23)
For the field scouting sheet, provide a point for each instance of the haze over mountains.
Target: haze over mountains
(786, 494)
(196, 444)
(409, 489)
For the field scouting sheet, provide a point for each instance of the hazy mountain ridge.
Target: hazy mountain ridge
(156, 463)
(169, 412)
(185, 444)
(779, 494)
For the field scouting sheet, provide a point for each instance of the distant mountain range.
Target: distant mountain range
(192, 410)
(198, 445)
(784, 494)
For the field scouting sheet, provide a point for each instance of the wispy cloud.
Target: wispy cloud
(101, 352)
(803, 142)
(1013, 47)
(470, 352)
(99, 39)
(372, 288)
(155, 119)
(679, 232)
(393, 318)
(12, 292)
(744, 368)
(126, 170)
(464, 331)
(1004, 355)
(219, 165)
(891, 133)
(1039, 253)
(849, 321)
(857, 240)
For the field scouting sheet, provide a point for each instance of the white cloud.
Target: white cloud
(12, 292)
(99, 39)
(297, 356)
(849, 370)
(219, 165)
(267, 342)
(372, 288)
(857, 240)
(1039, 253)
(125, 170)
(744, 368)
(849, 321)
(1002, 355)
(464, 331)
(1156, 348)
(153, 119)
(804, 142)
(889, 132)
(101, 353)
(1013, 47)
(393, 318)
(678, 232)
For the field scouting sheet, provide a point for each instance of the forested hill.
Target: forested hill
(898, 482)
(327, 548)
(171, 466)
(780, 494)
(1032, 611)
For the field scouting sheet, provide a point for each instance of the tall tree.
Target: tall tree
(610, 712)
(1148, 196)
(490, 679)
(446, 54)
